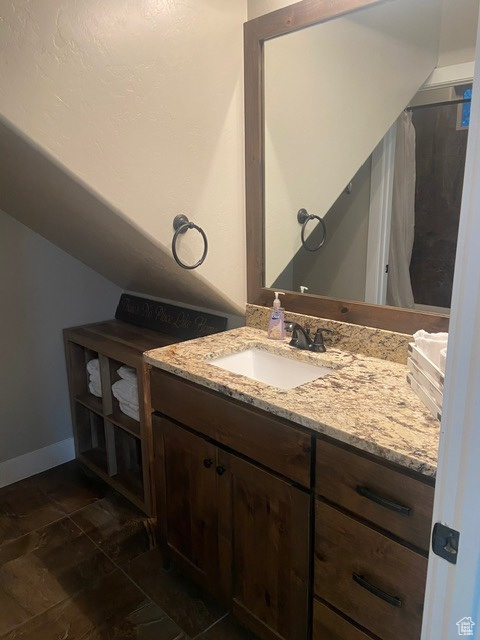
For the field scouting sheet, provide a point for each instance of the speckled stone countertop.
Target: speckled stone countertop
(365, 402)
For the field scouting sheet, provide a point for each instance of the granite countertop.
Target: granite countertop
(365, 402)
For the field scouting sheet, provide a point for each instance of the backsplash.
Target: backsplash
(377, 343)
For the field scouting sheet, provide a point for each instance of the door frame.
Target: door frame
(380, 218)
(453, 590)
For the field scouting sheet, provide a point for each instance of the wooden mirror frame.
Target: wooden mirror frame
(256, 32)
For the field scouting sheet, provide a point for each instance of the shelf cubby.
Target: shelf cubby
(91, 440)
(129, 471)
(116, 415)
(115, 446)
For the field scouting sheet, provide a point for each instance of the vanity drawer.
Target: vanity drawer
(250, 432)
(388, 498)
(328, 625)
(375, 581)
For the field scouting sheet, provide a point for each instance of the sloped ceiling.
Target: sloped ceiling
(47, 199)
(117, 116)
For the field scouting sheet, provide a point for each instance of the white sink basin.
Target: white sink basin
(270, 368)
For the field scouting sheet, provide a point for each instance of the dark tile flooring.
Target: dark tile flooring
(77, 561)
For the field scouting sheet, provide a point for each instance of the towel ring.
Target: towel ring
(182, 224)
(303, 218)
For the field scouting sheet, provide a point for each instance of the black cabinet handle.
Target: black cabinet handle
(395, 602)
(207, 463)
(221, 470)
(384, 502)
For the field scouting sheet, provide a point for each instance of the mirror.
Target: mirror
(258, 35)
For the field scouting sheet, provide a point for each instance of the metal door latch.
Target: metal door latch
(445, 542)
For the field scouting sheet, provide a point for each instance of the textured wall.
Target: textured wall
(260, 7)
(142, 102)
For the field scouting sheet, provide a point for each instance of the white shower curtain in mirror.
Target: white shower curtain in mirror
(399, 288)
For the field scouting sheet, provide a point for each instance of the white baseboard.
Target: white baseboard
(36, 461)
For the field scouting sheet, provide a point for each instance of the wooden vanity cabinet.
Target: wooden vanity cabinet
(242, 498)
(368, 517)
(239, 528)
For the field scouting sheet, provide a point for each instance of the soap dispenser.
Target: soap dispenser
(276, 325)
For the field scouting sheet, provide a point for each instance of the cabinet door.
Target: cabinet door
(190, 508)
(270, 524)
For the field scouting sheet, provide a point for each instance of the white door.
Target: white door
(452, 604)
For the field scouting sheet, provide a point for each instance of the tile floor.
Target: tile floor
(77, 561)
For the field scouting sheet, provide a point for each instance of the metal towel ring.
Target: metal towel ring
(182, 224)
(303, 218)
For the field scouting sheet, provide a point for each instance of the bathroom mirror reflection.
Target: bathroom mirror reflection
(410, 186)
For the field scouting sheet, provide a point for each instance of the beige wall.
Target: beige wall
(42, 290)
(459, 31)
(260, 7)
(338, 270)
(143, 103)
(332, 93)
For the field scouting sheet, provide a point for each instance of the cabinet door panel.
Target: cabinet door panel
(270, 533)
(191, 507)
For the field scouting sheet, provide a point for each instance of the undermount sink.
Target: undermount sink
(271, 368)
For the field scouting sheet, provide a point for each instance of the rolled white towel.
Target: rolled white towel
(127, 373)
(95, 377)
(93, 366)
(95, 389)
(129, 410)
(125, 391)
(94, 383)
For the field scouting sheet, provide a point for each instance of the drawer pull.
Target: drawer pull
(221, 470)
(395, 602)
(384, 502)
(207, 463)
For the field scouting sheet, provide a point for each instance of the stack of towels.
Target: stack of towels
(434, 346)
(94, 384)
(126, 392)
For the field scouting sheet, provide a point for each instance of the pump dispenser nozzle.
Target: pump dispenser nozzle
(276, 302)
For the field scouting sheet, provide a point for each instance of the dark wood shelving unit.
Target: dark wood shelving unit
(114, 446)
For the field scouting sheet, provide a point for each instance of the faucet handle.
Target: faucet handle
(318, 344)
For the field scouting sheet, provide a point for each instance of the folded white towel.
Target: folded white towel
(431, 344)
(93, 366)
(436, 337)
(95, 389)
(129, 410)
(125, 391)
(127, 373)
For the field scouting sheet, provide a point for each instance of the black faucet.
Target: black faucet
(301, 338)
